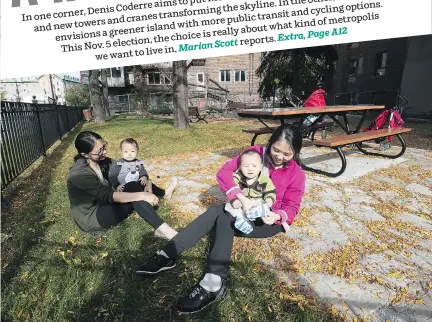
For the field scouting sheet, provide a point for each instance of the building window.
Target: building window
(200, 78)
(240, 76)
(381, 64)
(225, 75)
(116, 72)
(156, 78)
(353, 66)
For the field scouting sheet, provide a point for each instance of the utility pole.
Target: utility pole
(52, 91)
(17, 91)
(65, 89)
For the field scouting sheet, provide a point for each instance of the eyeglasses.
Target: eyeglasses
(102, 150)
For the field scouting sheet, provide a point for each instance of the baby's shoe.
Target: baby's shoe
(258, 211)
(243, 225)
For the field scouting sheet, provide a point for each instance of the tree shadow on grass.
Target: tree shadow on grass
(231, 153)
(150, 120)
(23, 210)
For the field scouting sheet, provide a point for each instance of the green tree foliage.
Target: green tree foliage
(78, 95)
(301, 70)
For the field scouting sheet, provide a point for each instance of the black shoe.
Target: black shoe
(157, 263)
(198, 298)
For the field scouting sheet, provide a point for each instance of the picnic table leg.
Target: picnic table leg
(345, 117)
(265, 124)
(346, 126)
(339, 123)
(403, 149)
(253, 139)
(310, 126)
(330, 174)
(359, 126)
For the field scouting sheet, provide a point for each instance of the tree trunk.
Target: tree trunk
(141, 97)
(180, 91)
(104, 81)
(96, 97)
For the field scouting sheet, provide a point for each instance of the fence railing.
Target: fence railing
(28, 131)
(385, 97)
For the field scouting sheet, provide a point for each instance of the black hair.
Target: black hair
(85, 142)
(249, 152)
(292, 135)
(130, 141)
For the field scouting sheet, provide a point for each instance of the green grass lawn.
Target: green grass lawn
(50, 272)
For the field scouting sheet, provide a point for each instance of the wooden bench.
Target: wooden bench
(259, 131)
(326, 125)
(337, 142)
(195, 112)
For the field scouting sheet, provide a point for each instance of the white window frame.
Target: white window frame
(163, 80)
(111, 74)
(197, 79)
(160, 78)
(227, 72)
(240, 81)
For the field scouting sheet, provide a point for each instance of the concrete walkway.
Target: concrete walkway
(362, 245)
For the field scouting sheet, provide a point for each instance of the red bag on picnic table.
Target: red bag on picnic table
(316, 99)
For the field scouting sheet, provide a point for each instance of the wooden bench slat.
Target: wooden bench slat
(262, 130)
(360, 137)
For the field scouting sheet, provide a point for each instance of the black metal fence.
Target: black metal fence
(388, 98)
(28, 131)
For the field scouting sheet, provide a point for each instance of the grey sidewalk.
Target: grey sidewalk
(362, 243)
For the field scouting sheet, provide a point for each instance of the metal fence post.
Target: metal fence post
(58, 121)
(40, 130)
(16, 119)
(68, 119)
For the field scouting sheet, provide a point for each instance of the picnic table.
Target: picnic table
(352, 136)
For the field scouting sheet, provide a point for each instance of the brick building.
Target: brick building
(376, 72)
(235, 73)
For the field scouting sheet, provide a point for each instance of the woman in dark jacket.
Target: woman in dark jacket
(94, 204)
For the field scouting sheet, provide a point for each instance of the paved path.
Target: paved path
(362, 244)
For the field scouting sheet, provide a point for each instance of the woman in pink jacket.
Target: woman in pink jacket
(282, 165)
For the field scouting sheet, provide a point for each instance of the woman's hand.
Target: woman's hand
(271, 218)
(150, 198)
(120, 188)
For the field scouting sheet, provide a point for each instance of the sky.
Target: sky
(73, 74)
